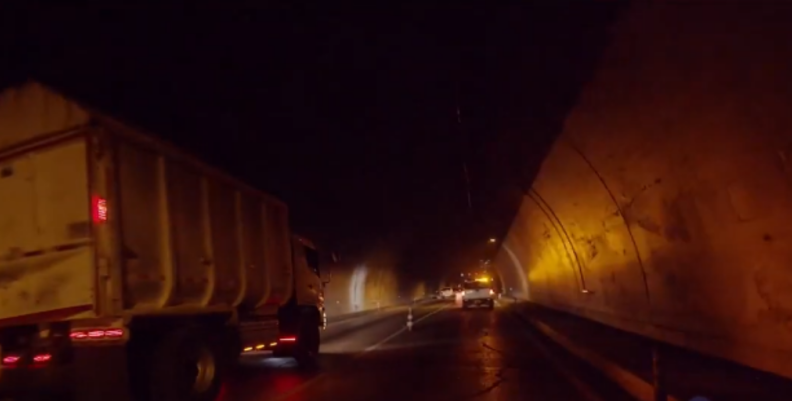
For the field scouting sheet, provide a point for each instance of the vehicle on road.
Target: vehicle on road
(114, 242)
(447, 293)
(458, 292)
(478, 293)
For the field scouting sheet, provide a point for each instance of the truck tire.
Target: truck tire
(186, 366)
(307, 350)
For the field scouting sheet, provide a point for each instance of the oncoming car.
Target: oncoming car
(478, 294)
(447, 293)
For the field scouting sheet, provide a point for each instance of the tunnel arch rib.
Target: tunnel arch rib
(534, 195)
(674, 136)
(605, 186)
(518, 268)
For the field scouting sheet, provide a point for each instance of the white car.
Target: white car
(478, 294)
(447, 293)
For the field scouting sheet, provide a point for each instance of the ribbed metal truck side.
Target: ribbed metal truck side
(123, 256)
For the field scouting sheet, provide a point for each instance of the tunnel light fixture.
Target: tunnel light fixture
(492, 240)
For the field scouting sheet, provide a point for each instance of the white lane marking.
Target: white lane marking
(313, 380)
(402, 330)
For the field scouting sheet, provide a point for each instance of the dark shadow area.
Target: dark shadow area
(688, 373)
(279, 375)
(598, 382)
(348, 114)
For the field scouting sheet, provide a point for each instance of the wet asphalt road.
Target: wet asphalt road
(451, 354)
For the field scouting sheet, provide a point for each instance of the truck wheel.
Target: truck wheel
(307, 349)
(186, 366)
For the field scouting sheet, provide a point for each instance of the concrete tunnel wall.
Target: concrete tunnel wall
(665, 205)
(357, 287)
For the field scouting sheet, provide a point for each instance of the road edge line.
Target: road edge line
(402, 330)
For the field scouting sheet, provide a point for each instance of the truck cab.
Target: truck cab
(301, 319)
(309, 286)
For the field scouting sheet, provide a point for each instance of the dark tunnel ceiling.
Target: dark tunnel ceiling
(348, 115)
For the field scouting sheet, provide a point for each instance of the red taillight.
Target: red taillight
(114, 333)
(78, 335)
(42, 358)
(99, 209)
(96, 334)
(287, 339)
(10, 360)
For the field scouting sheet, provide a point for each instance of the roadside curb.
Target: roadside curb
(630, 382)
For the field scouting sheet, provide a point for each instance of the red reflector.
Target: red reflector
(10, 359)
(78, 335)
(114, 333)
(97, 334)
(42, 358)
(99, 209)
(287, 339)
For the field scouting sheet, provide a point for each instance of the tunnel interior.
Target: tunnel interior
(651, 195)
(662, 207)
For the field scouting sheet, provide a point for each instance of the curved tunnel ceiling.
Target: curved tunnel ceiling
(665, 205)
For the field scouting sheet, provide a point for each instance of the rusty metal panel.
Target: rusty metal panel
(189, 237)
(227, 259)
(143, 217)
(46, 262)
(256, 279)
(204, 242)
(188, 219)
(277, 249)
(207, 241)
(31, 111)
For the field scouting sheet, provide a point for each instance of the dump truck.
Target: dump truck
(122, 255)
